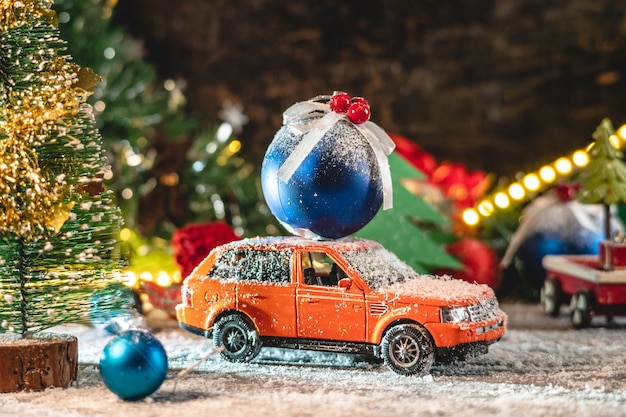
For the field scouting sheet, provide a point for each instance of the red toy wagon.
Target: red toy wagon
(593, 284)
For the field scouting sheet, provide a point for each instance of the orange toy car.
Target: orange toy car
(349, 295)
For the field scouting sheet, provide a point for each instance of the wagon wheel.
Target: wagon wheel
(551, 296)
(580, 309)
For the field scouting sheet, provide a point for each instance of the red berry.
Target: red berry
(359, 113)
(340, 102)
(360, 100)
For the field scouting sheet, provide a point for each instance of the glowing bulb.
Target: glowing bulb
(502, 200)
(614, 141)
(169, 84)
(223, 132)
(621, 132)
(234, 147)
(130, 279)
(109, 53)
(580, 158)
(531, 182)
(547, 174)
(126, 234)
(145, 276)
(134, 160)
(211, 147)
(470, 217)
(563, 166)
(516, 191)
(163, 279)
(485, 208)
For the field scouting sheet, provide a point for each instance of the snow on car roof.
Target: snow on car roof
(286, 242)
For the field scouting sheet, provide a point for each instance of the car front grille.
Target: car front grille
(484, 311)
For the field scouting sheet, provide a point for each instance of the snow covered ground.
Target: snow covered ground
(541, 367)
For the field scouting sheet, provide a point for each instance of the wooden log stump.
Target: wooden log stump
(38, 361)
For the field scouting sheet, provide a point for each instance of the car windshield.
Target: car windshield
(379, 267)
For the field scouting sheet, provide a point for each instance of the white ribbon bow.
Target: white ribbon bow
(294, 116)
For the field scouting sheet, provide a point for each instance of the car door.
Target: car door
(324, 310)
(266, 293)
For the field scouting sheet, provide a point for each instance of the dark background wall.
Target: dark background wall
(499, 85)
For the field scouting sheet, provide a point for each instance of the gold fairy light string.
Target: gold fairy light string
(533, 183)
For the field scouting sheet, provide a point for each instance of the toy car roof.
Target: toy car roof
(296, 242)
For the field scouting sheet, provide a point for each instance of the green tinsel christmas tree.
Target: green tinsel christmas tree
(604, 179)
(58, 225)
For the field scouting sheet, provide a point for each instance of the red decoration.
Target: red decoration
(360, 100)
(480, 262)
(357, 108)
(192, 243)
(358, 113)
(566, 192)
(454, 181)
(340, 102)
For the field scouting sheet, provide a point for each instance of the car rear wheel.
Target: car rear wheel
(238, 336)
(408, 349)
(580, 309)
(551, 296)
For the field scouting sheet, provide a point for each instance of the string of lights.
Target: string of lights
(533, 183)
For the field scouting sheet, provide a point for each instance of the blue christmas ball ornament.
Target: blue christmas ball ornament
(539, 244)
(334, 192)
(133, 365)
(556, 226)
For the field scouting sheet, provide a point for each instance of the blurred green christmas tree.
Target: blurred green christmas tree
(397, 229)
(169, 170)
(58, 225)
(604, 179)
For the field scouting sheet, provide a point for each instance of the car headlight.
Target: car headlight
(455, 315)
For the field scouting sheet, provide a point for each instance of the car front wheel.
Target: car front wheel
(238, 337)
(408, 349)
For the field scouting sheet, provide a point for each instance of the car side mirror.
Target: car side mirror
(345, 283)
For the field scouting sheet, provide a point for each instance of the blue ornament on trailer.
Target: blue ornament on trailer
(326, 174)
(555, 224)
(133, 365)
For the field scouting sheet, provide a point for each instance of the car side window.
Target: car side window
(273, 266)
(253, 265)
(320, 269)
(228, 265)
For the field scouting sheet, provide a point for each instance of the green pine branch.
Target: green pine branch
(397, 229)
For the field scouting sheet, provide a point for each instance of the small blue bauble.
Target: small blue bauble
(133, 365)
(335, 192)
(565, 228)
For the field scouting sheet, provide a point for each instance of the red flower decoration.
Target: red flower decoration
(192, 243)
